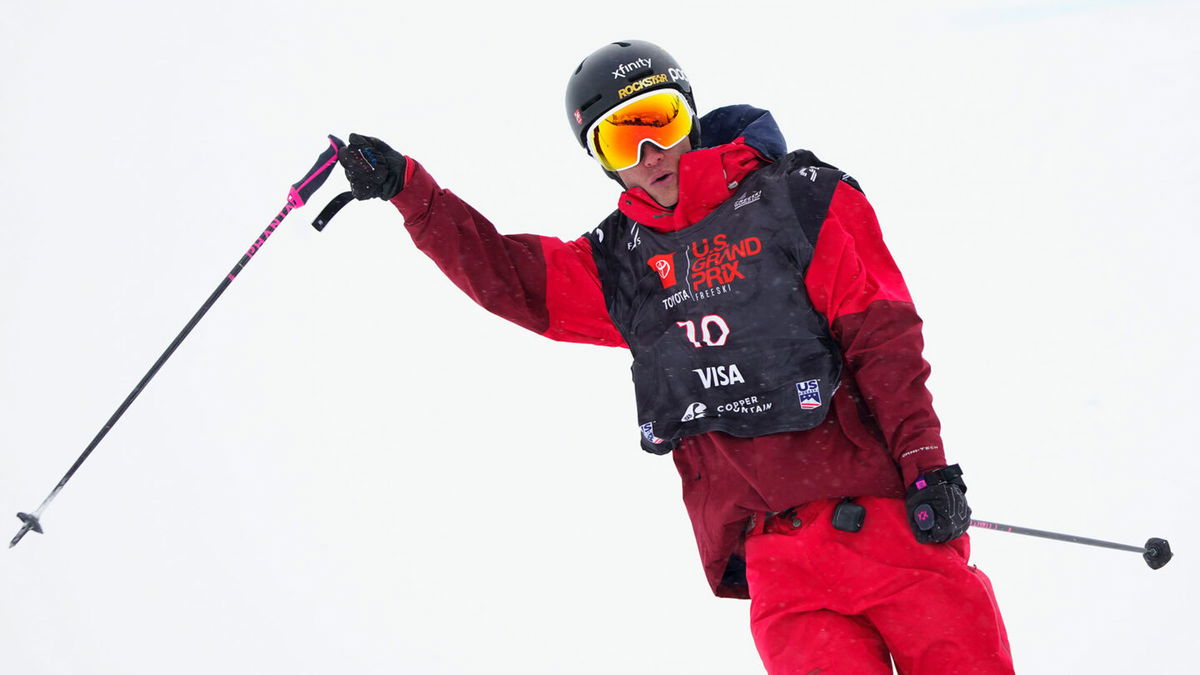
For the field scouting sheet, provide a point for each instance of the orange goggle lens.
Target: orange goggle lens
(662, 117)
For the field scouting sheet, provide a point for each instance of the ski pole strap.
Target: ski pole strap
(315, 178)
(331, 210)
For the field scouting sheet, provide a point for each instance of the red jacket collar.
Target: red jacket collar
(707, 177)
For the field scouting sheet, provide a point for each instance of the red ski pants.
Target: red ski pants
(831, 602)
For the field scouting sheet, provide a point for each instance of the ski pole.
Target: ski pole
(1156, 552)
(299, 194)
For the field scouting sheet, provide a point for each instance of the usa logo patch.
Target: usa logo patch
(648, 432)
(810, 394)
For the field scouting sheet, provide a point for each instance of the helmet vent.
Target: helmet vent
(590, 102)
(639, 74)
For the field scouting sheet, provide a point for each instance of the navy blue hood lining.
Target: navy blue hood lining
(725, 124)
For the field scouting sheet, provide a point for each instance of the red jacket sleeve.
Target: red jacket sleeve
(854, 282)
(541, 283)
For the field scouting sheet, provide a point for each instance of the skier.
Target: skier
(776, 355)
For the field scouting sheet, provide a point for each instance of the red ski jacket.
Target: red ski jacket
(881, 430)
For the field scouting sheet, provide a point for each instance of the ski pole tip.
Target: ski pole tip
(1158, 553)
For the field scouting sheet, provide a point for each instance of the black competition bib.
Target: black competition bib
(723, 335)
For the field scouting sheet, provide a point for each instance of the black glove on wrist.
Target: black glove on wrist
(937, 506)
(373, 168)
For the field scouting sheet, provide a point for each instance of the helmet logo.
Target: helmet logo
(625, 68)
(641, 84)
(578, 116)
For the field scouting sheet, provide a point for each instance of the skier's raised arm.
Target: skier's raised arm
(541, 283)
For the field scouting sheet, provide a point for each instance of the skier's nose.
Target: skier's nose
(651, 155)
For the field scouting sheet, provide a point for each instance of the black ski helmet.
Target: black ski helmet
(595, 86)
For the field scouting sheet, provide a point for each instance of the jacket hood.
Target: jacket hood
(756, 126)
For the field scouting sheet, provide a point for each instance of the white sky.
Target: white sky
(348, 467)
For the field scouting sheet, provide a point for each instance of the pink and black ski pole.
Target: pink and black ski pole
(299, 194)
(1156, 552)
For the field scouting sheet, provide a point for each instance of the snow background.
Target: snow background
(348, 467)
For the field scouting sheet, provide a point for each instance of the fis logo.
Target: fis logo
(810, 394)
(648, 433)
(694, 411)
(637, 239)
(664, 266)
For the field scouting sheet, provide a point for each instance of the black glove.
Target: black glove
(937, 506)
(373, 168)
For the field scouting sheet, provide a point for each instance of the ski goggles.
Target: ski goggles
(662, 117)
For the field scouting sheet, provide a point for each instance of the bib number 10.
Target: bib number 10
(713, 331)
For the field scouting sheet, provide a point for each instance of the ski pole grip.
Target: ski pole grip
(315, 178)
